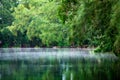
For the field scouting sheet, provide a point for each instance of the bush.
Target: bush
(116, 47)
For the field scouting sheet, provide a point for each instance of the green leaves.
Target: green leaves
(92, 22)
(40, 22)
(76, 23)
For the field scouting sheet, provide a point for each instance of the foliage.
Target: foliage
(5, 12)
(93, 23)
(64, 23)
(39, 23)
(7, 37)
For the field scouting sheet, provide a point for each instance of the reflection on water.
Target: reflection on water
(57, 64)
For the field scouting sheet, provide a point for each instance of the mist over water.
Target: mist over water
(57, 64)
(37, 53)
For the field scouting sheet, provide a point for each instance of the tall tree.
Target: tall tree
(39, 23)
(5, 12)
(6, 18)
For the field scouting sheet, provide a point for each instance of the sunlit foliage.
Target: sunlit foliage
(63, 23)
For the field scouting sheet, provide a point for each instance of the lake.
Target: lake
(57, 64)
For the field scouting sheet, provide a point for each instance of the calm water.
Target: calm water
(57, 64)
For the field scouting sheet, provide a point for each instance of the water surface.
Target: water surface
(57, 64)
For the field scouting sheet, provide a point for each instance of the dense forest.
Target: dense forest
(62, 23)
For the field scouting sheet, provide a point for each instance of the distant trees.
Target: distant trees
(39, 23)
(6, 19)
(65, 23)
(6, 8)
(113, 31)
(93, 23)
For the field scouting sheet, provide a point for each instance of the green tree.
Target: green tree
(113, 31)
(6, 17)
(92, 23)
(39, 23)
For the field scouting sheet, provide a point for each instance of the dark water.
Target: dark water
(57, 64)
